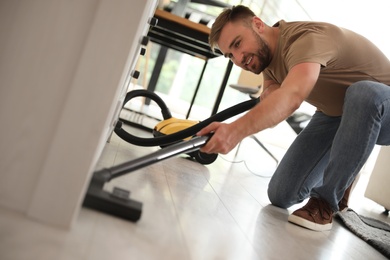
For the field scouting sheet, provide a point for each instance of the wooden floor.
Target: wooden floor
(190, 211)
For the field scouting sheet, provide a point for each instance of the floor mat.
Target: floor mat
(374, 232)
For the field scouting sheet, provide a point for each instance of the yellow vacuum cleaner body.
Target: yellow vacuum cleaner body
(172, 125)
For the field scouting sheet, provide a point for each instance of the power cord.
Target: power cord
(247, 167)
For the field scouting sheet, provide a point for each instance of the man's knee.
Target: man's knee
(278, 197)
(364, 91)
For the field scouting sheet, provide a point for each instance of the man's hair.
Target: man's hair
(232, 14)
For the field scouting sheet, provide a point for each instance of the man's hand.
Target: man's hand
(224, 138)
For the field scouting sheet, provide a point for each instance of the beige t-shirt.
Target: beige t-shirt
(345, 58)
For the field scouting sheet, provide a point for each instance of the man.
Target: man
(341, 73)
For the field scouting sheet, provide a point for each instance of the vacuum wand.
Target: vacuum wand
(118, 202)
(107, 174)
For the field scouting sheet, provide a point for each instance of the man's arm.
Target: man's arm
(269, 86)
(280, 103)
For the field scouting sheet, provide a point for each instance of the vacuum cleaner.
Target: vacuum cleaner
(174, 136)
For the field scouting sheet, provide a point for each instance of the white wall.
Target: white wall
(63, 66)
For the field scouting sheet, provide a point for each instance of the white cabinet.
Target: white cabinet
(63, 70)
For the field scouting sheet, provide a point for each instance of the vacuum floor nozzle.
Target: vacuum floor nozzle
(110, 203)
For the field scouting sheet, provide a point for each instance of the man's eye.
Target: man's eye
(237, 44)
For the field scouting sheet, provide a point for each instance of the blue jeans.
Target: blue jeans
(327, 155)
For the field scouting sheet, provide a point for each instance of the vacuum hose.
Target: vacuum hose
(180, 135)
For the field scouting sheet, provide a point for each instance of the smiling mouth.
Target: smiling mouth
(249, 60)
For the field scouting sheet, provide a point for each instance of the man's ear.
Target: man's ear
(257, 24)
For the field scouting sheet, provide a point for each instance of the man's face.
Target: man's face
(245, 47)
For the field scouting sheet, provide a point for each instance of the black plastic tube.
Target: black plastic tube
(180, 135)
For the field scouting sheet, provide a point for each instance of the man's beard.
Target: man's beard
(263, 54)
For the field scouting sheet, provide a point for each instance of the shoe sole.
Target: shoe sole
(344, 210)
(308, 224)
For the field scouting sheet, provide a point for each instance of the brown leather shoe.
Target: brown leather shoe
(316, 215)
(343, 204)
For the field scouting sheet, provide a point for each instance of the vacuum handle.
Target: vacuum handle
(191, 145)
